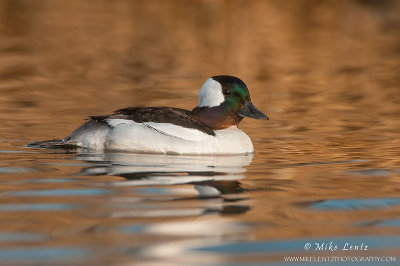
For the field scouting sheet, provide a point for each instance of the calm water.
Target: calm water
(326, 170)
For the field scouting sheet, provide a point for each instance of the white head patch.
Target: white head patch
(211, 94)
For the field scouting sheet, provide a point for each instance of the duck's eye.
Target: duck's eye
(226, 91)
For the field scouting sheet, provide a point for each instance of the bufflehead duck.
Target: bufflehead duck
(210, 128)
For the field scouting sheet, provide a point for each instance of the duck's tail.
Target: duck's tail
(52, 144)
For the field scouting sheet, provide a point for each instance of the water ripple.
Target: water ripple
(10, 207)
(60, 192)
(352, 204)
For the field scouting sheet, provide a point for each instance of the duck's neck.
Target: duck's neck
(216, 117)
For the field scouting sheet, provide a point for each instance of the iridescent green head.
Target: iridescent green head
(231, 94)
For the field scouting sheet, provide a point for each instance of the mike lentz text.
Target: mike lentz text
(331, 246)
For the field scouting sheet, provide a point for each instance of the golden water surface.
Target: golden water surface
(326, 168)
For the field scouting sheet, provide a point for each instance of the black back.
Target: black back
(176, 116)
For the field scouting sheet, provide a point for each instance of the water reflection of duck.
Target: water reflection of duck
(210, 128)
(211, 176)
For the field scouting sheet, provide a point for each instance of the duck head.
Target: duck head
(224, 101)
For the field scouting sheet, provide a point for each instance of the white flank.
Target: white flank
(150, 137)
(211, 94)
(176, 131)
(167, 138)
